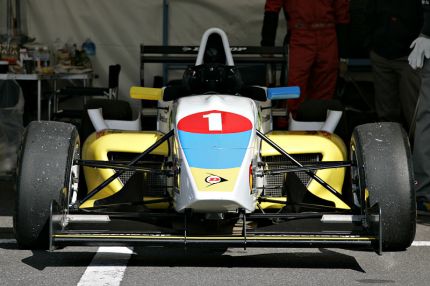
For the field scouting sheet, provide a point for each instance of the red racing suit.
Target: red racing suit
(313, 59)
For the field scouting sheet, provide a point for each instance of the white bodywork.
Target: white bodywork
(222, 197)
(217, 199)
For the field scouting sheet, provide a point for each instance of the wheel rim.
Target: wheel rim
(74, 176)
(357, 179)
(70, 191)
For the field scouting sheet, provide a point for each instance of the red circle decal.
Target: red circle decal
(214, 121)
(212, 179)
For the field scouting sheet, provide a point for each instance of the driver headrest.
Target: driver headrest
(214, 52)
(212, 77)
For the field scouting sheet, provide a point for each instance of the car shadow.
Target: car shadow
(7, 200)
(324, 259)
(172, 257)
(6, 233)
(41, 259)
(424, 219)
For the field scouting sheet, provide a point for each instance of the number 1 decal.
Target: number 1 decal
(214, 120)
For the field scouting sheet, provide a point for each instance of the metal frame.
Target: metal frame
(121, 168)
(307, 169)
(180, 56)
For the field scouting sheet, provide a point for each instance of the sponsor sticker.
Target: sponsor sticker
(214, 179)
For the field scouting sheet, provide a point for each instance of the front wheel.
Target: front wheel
(382, 173)
(45, 168)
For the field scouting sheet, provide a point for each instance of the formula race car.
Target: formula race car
(214, 174)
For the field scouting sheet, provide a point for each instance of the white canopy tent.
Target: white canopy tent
(118, 28)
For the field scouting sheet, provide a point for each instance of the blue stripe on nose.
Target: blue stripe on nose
(214, 151)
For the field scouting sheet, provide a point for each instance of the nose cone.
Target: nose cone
(214, 139)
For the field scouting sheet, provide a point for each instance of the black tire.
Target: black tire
(382, 156)
(44, 169)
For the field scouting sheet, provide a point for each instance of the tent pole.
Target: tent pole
(9, 19)
(165, 37)
(18, 17)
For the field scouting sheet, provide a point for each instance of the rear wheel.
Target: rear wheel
(382, 173)
(45, 168)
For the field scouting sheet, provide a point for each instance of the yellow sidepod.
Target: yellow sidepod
(330, 146)
(99, 144)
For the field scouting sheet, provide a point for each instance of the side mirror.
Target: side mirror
(278, 93)
(147, 93)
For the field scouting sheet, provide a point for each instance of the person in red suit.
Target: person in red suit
(317, 39)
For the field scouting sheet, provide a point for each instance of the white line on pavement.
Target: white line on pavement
(107, 267)
(420, 243)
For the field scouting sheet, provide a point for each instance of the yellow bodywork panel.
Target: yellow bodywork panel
(330, 146)
(99, 144)
(147, 93)
(273, 205)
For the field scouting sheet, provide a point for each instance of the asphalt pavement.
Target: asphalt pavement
(164, 266)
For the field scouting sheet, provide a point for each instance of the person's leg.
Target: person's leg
(421, 151)
(409, 90)
(302, 51)
(323, 79)
(386, 82)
